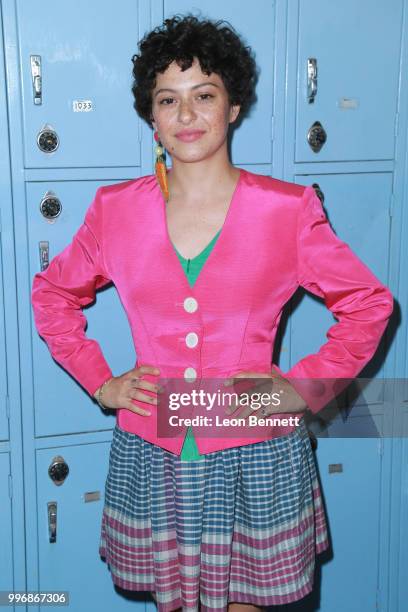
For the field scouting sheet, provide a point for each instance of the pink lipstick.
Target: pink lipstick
(189, 135)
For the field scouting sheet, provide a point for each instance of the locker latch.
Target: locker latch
(311, 79)
(35, 62)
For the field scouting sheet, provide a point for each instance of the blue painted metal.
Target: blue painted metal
(82, 60)
(252, 142)
(12, 533)
(362, 171)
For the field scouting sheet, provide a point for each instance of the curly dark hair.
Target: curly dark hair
(181, 38)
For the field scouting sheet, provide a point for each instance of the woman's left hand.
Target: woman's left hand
(289, 399)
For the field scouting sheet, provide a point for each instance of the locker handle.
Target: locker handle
(44, 254)
(52, 522)
(35, 62)
(311, 79)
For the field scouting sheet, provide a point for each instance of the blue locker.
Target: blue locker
(252, 141)
(86, 107)
(60, 405)
(72, 563)
(357, 78)
(86, 97)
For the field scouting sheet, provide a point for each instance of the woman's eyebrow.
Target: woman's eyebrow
(194, 87)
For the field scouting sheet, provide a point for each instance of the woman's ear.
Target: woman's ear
(234, 112)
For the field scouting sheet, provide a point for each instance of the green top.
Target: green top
(192, 268)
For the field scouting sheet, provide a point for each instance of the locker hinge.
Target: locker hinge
(272, 127)
(380, 446)
(10, 483)
(7, 407)
(0, 221)
(391, 207)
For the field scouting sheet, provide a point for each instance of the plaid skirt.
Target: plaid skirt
(243, 525)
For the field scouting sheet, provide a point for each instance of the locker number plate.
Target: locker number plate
(82, 106)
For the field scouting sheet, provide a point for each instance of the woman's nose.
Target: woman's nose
(186, 112)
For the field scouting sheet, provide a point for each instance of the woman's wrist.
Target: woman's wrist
(98, 395)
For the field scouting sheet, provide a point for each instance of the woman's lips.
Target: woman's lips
(189, 136)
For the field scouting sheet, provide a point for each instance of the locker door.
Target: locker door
(60, 404)
(353, 494)
(68, 557)
(353, 502)
(356, 46)
(252, 142)
(358, 207)
(84, 55)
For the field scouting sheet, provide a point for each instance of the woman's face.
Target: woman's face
(191, 112)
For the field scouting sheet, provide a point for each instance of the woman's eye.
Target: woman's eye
(168, 101)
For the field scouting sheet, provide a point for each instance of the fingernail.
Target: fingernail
(227, 382)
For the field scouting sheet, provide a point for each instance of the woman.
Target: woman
(204, 259)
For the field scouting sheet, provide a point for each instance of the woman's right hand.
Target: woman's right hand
(120, 390)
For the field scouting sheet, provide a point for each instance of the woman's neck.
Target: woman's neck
(199, 180)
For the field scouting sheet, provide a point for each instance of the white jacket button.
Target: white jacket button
(190, 304)
(190, 374)
(191, 339)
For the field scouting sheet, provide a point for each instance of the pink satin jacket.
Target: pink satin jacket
(275, 237)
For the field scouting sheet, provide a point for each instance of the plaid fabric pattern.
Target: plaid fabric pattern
(242, 525)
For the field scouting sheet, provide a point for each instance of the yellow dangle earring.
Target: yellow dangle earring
(160, 167)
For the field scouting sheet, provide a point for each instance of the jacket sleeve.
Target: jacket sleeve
(328, 268)
(61, 291)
